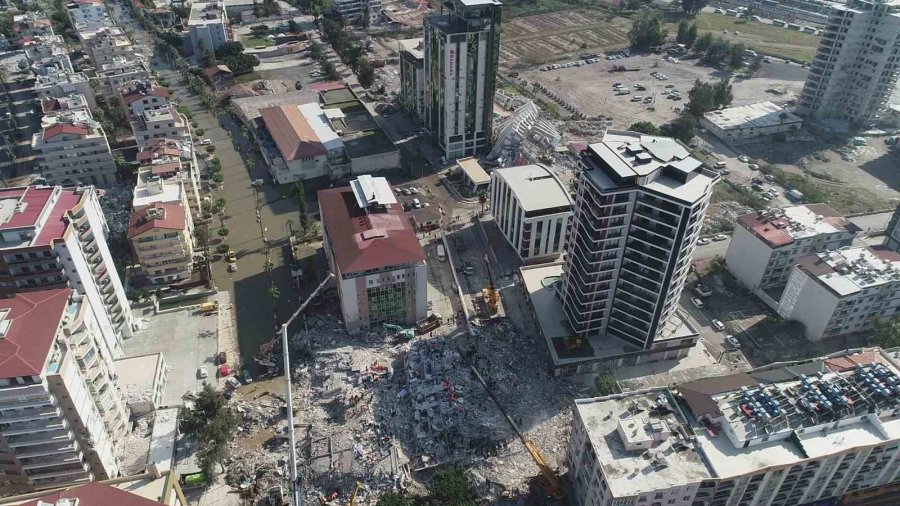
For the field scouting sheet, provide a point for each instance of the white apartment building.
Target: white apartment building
(766, 245)
(208, 27)
(168, 174)
(461, 55)
(749, 121)
(62, 415)
(856, 66)
(122, 72)
(53, 106)
(354, 11)
(143, 96)
(31, 24)
(374, 254)
(57, 83)
(162, 238)
(809, 433)
(71, 148)
(842, 291)
(56, 237)
(107, 45)
(47, 51)
(532, 208)
(86, 14)
(155, 124)
(639, 208)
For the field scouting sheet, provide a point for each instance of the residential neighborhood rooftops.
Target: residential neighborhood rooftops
(156, 216)
(850, 270)
(28, 325)
(778, 227)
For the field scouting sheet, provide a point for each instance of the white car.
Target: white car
(413, 190)
(718, 325)
(733, 341)
(203, 372)
(205, 142)
(719, 237)
(703, 241)
(257, 182)
(753, 166)
(743, 158)
(697, 302)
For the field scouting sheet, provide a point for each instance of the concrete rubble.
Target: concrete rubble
(380, 412)
(116, 204)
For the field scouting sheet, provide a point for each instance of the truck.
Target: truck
(429, 323)
(794, 196)
(208, 308)
(441, 254)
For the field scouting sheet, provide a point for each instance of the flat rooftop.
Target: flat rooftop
(206, 13)
(629, 159)
(473, 171)
(670, 462)
(535, 187)
(850, 270)
(414, 47)
(758, 115)
(139, 371)
(778, 227)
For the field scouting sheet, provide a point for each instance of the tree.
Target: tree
(220, 203)
(683, 29)
(887, 332)
(702, 98)
(292, 25)
(682, 128)
(210, 149)
(392, 499)
(693, 7)
(268, 266)
(736, 55)
(274, 293)
(718, 52)
(482, 199)
(723, 95)
(211, 423)
(223, 232)
(704, 42)
(691, 35)
(648, 30)
(201, 234)
(452, 486)
(644, 127)
(606, 384)
(232, 48)
(299, 194)
(222, 249)
(366, 74)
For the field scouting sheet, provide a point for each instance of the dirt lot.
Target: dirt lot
(589, 88)
(541, 38)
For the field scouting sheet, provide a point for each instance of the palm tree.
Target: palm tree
(482, 199)
(274, 293)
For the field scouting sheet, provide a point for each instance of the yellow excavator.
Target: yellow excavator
(490, 295)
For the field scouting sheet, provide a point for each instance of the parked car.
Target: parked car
(718, 325)
(753, 166)
(770, 178)
(257, 182)
(733, 341)
(246, 376)
(205, 142)
(413, 190)
(719, 237)
(697, 302)
(703, 241)
(743, 158)
(404, 192)
(203, 372)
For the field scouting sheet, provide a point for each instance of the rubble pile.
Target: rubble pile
(116, 204)
(134, 447)
(723, 215)
(133, 394)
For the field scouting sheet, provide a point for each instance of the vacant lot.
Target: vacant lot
(768, 39)
(550, 37)
(251, 41)
(589, 88)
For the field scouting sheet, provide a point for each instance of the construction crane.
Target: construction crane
(549, 476)
(490, 294)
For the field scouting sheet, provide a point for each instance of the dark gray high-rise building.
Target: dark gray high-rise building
(462, 48)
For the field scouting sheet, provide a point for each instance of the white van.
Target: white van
(719, 165)
(442, 255)
(416, 203)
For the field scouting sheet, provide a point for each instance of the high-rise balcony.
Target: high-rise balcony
(50, 460)
(45, 484)
(656, 217)
(658, 254)
(34, 427)
(27, 415)
(46, 449)
(44, 473)
(54, 436)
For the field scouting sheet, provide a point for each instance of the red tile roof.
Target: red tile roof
(173, 218)
(34, 320)
(95, 494)
(363, 241)
(814, 266)
(772, 232)
(65, 128)
(50, 104)
(33, 200)
(292, 132)
(135, 95)
(165, 168)
(58, 221)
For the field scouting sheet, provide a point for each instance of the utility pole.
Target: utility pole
(295, 485)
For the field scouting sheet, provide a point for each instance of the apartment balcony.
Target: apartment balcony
(44, 473)
(645, 261)
(18, 428)
(656, 218)
(54, 436)
(29, 415)
(50, 460)
(637, 309)
(47, 449)
(640, 271)
(662, 205)
(637, 246)
(664, 232)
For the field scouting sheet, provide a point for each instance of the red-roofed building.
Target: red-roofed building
(162, 238)
(220, 76)
(53, 237)
(766, 245)
(143, 96)
(63, 415)
(306, 145)
(72, 149)
(374, 254)
(168, 174)
(136, 490)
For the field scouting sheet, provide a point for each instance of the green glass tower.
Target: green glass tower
(462, 49)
